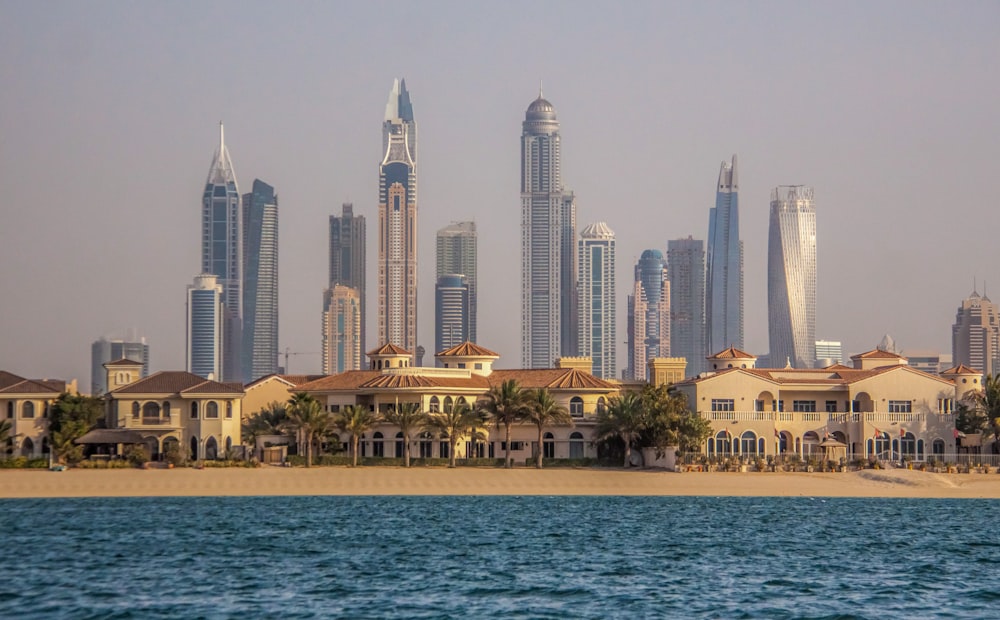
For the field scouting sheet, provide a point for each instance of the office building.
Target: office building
(105, 350)
(341, 329)
(596, 280)
(686, 272)
(397, 223)
(260, 282)
(205, 312)
(347, 256)
(648, 315)
(456, 254)
(975, 336)
(791, 277)
(829, 352)
(452, 311)
(724, 271)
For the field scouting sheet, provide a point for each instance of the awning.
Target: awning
(110, 436)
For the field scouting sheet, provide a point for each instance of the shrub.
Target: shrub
(23, 462)
(137, 455)
(104, 464)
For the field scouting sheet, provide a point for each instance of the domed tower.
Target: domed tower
(548, 240)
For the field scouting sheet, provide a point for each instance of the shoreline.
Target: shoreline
(345, 481)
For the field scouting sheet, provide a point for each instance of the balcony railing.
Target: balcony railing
(151, 421)
(829, 417)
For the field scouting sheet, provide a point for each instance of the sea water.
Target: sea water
(482, 557)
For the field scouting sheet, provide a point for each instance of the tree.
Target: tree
(408, 417)
(542, 411)
(987, 401)
(459, 421)
(70, 417)
(272, 419)
(970, 420)
(668, 422)
(622, 418)
(356, 420)
(505, 405)
(307, 417)
(5, 436)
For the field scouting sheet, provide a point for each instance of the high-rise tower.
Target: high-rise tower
(548, 239)
(221, 253)
(724, 275)
(686, 272)
(456, 254)
(204, 326)
(452, 311)
(975, 336)
(397, 223)
(260, 282)
(791, 277)
(347, 258)
(597, 299)
(648, 314)
(341, 329)
(103, 351)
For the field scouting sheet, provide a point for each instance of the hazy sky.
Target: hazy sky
(109, 118)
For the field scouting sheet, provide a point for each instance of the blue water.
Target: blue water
(477, 557)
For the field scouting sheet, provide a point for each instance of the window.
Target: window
(10, 409)
(602, 405)
(576, 406)
(448, 404)
(937, 447)
(478, 365)
(723, 404)
(900, 406)
(378, 446)
(758, 405)
(435, 406)
(229, 409)
(135, 409)
(831, 406)
(514, 446)
(549, 446)
(212, 410)
(806, 406)
(576, 445)
(194, 415)
(166, 409)
(28, 410)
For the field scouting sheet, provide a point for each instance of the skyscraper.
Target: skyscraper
(596, 279)
(975, 336)
(347, 256)
(452, 311)
(548, 238)
(791, 277)
(456, 254)
(649, 326)
(260, 282)
(397, 223)
(342, 349)
(204, 327)
(221, 254)
(103, 351)
(724, 275)
(686, 272)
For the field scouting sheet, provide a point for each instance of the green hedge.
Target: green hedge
(23, 462)
(231, 463)
(116, 464)
(583, 462)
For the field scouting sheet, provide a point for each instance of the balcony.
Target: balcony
(150, 421)
(826, 417)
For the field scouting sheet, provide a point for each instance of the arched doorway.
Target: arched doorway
(171, 446)
(378, 444)
(576, 445)
(549, 446)
(211, 449)
(399, 445)
(426, 444)
(152, 446)
(810, 445)
(194, 448)
(863, 402)
(27, 448)
(721, 444)
(748, 443)
(765, 402)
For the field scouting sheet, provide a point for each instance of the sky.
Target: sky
(109, 117)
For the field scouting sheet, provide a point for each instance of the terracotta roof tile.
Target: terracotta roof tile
(877, 354)
(8, 379)
(123, 362)
(389, 349)
(176, 382)
(961, 369)
(468, 349)
(27, 386)
(292, 380)
(352, 379)
(732, 353)
(552, 378)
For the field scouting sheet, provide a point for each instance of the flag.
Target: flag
(902, 432)
(777, 435)
(954, 433)
(826, 435)
(878, 433)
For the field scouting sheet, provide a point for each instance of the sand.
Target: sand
(484, 481)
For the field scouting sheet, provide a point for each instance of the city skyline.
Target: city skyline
(791, 277)
(882, 124)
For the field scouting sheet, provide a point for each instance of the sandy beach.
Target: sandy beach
(481, 481)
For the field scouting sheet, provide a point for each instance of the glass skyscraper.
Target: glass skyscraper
(341, 329)
(204, 327)
(548, 238)
(596, 280)
(456, 254)
(221, 254)
(724, 274)
(347, 258)
(791, 277)
(260, 282)
(686, 272)
(397, 223)
(103, 351)
(452, 311)
(648, 315)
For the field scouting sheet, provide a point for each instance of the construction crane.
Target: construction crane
(289, 352)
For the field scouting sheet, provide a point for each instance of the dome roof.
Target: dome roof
(541, 109)
(599, 230)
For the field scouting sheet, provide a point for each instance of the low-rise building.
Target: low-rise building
(24, 404)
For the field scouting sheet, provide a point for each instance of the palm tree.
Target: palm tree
(356, 420)
(505, 404)
(5, 435)
(622, 418)
(544, 411)
(272, 419)
(459, 421)
(307, 417)
(988, 402)
(408, 417)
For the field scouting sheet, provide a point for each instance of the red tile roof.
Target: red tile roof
(389, 349)
(732, 353)
(468, 349)
(13, 384)
(123, 362)
(178, 382)
(961, 369)
(291, 380)
(552, 378)
(877, 354)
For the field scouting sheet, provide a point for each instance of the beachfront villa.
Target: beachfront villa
(202, 416)
(464, 375)
(879, 407)
(24, 404)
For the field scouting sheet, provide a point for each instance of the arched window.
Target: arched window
(399, 445)
(28, 410)
(908, 445)
(435, 406)
(461, 401)
(211, 448)
(548, 446)
(761, 448)
(10, 409)
(576, 406)
(229, 409)
(194, 443)
(602, 405)
(194, 413)
(937, 447)
(448, 403)
(426, 444)
(28, 447)
(378, 446)
(211, 411)
(166, 409)
(748, 443)
(881, 443)
(229, 444)
(576, 445)
(135, 409)
(150, 413)
(723, 443)
(444, 448)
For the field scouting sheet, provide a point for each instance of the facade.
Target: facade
(548, 243)
(597, 315)
(24, 404)
(791, 277)
(222, 254)
(205, 321)
(452, 311)
(975, 336)
(342, 329)
(649, 316)
(347, 256)
(464, 375)
(456, 254)
(686, 272)
(202, 416)
(397, 222)
(103, 351)
(929, 360)
(879, 407)
(724, 271)
(828, 353)
(260, 282)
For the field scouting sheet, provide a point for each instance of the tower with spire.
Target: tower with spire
(221, 252)
(724, 265)
(549, 319)
(975, 336)
(397, 223)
